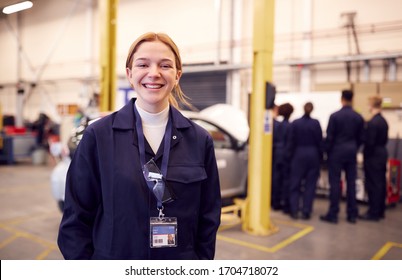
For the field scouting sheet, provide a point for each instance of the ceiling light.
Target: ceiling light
(17, 7)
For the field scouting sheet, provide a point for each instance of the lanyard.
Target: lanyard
(166, 150)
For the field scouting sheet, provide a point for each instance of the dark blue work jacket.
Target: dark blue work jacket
(306, 138)
(280, 141)
(108, 204)
(376, 137)
(345, 133)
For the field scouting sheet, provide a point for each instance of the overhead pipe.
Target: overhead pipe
(20, 57)
(351, 27)
(392, 70)
(233, 80)
(305, 75)
(218, 9)
(60, 33)
(338, 59)
(21, 53)
(20, 87)
(90, 31)
(366, 71)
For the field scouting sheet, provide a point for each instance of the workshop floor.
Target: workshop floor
(29, 220)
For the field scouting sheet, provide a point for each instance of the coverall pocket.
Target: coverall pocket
(186, 174)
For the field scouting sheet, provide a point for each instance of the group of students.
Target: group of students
(299, 150)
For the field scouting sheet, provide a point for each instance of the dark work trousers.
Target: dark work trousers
(280, 180)
(280, 167)
(336, 164)
(276, 195)
(286, 187)
(305, 166)
(375, 168)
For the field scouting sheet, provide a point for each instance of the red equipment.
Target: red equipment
(394, 177)
(393, 181)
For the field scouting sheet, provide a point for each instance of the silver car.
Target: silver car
(229, 129)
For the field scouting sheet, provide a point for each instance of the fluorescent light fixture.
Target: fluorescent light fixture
(17, 7)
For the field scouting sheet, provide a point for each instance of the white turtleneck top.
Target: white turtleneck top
(154, 126)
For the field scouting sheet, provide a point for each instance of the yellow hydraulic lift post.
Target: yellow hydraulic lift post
(256, 219)
(108, 21)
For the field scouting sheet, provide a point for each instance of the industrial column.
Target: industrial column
(108, 21)
(257, 209)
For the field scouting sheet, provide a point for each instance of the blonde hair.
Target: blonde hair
(375, 101)
(177, 93)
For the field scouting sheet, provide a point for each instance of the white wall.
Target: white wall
(325, 103)
(64, 35)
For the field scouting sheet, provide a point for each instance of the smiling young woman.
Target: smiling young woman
(143, 182)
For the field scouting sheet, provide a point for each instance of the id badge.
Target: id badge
(163, 232)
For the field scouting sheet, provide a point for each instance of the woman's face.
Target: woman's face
(153, 75)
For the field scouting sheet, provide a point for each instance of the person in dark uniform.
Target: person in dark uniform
(306, 148)
(344, 136)
(375, 161)
(131, 163)
(280, 176)
(276, 196)
(42, 125)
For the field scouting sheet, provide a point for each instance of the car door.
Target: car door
(231, 159)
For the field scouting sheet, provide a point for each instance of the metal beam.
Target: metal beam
(338, 59)
(211, 67)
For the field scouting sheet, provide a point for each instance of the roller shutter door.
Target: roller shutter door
(204, 89)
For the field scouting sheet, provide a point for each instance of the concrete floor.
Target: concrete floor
(29, 220)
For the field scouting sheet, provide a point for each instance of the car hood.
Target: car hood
(228, 117)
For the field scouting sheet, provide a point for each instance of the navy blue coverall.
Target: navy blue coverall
(306, 147)
(108, 204)
(375, 165)
(280, 164)
(345, 134)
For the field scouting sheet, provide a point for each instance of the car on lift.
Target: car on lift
(229, 129)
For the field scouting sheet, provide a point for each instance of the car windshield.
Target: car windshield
(221, 139)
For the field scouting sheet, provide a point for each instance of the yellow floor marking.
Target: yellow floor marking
(381, 253)
(291, 224)
(20, 220)
(244, 244)
(21, 234)
(45, 253)
(28, 236)
(292, 238)
(7, 225)
(8, 241)
(305, 230)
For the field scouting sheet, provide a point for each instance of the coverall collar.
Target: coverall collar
(125, 120)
